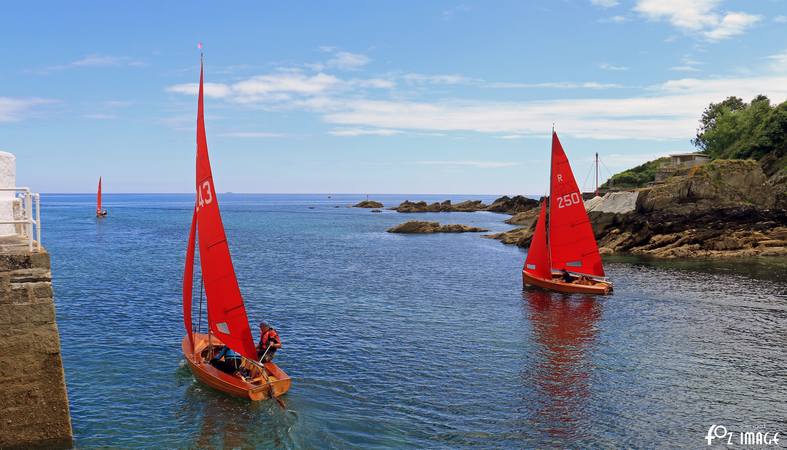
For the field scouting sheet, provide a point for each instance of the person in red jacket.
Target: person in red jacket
(269, 342)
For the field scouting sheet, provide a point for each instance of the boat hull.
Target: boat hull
(232, 384)
(555, 284)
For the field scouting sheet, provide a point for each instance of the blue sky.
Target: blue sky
(369, 97)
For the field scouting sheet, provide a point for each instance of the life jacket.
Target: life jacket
(267, 337)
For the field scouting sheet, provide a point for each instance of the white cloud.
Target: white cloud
(669, 111)
(554, 85)
(214, 90)
(94, 60)
(418, 78)
(614, 19)
(604, 3)
(779, 61)
(512, 136)
(363, 132)
(606, 66)
(476, 164)
(251, 134)
(732, 24)
(347, 60)
(684, 69)
(15, 109)
(699, 17)
(456, 10)
(780, 19)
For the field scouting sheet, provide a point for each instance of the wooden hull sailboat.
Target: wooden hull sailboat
(563, 255)
(99, 212)
(228, 324)
(264, 380)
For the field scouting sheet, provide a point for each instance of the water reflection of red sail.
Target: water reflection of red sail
(564, 329)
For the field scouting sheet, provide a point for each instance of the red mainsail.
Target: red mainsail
(98, 197)
(537, 262)
(572, 244)
(226, 313)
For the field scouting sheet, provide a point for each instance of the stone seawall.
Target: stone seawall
(33, 399)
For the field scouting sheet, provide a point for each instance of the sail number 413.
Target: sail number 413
(204, 194)
(568, 200)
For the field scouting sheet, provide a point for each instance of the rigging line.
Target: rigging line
(585, 183)
(605, 167)
(201, 284)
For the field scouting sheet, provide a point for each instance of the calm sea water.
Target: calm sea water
(406, 341)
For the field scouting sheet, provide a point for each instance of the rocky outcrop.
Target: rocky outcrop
(721, 209)
(446, 206)
(368, 204)
(376, 211)
(419, 227)
(505, 205)
(512, 205)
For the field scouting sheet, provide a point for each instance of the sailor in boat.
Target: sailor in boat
(227, 360)
(567, 278)
(269, 343)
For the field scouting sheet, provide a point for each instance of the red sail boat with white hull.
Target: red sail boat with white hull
(563, 255)
(99, 212)
(228, 324)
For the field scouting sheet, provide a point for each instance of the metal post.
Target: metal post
(38, 220)
(596, 174)
(29, 214)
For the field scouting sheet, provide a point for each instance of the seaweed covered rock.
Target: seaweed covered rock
(421, 227)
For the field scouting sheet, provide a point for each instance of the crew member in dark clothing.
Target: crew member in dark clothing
(567, 278)
(269, 343)
(227, 360)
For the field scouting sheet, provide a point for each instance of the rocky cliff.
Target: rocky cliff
(724, 208)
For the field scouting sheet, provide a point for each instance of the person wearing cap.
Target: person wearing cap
(269, 343)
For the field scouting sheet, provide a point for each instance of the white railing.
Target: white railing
(28, 220)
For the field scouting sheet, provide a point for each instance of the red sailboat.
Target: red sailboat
(99, 212)
(228, 324)
(563, 255)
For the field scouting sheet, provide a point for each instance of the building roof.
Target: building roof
(702, 155)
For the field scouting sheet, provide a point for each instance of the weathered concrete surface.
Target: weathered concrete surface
(33, 399)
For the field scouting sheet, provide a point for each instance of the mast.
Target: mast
(549, 200)
(596, 174)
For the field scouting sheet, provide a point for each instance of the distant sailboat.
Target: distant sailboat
(567, 244)
(99, 212)
(228, 324)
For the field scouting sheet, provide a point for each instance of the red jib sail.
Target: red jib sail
(537, 261)
(226, 313)
(572, 244)
(188, 279)
(98, 197)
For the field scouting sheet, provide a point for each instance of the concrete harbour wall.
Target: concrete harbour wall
(33, 399)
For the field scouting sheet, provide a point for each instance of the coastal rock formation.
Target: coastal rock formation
(446, 206)
(368, 204)
(504, 204)
(376, 211)
(415, 226)
(724, 208)
(512, 205)
(524, 219)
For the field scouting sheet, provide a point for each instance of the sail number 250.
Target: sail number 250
(204, 194)
(568, 200)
